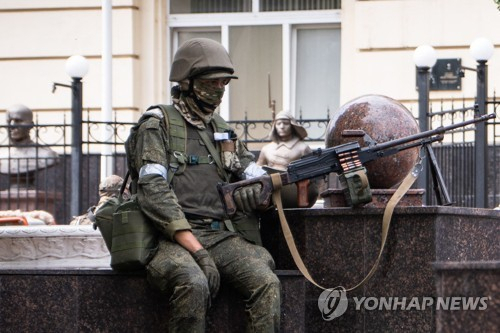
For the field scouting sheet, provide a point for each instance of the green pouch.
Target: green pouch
(129, 236)
(356, 187)
(247, 226)
(134, 238)
(103, 220)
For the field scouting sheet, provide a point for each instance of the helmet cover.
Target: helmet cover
(202, 58)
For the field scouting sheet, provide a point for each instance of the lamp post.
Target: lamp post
(481, 49)
(76, 67)
(424, 58)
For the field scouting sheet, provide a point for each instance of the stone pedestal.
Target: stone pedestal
(340, 245)
(334, 198)
(475, 281)
(57, 278)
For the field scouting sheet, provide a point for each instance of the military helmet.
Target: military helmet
(110, 186)
(201, 57)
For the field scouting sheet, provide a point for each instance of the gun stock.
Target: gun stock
(226, 191)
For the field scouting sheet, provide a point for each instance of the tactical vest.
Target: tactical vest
(247, 226)
(177, 133)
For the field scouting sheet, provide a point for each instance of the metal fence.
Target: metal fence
(49, 188)
(457, 156)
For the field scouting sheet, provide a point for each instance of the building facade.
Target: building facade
(309, 57)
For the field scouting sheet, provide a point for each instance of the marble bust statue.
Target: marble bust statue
(286, 143)
(23, 155)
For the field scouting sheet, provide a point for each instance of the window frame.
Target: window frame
(290, 22)
(293, 58)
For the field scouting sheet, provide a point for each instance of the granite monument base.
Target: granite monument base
(106, 301)
(335, 198)
(58, 279)
(431, 253)
(340, 245)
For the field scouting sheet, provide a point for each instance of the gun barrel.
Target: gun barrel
(422, 135)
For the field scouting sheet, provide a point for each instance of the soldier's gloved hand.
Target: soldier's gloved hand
(247, 198)
(208, 267)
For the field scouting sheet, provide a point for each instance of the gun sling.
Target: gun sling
(386, 221)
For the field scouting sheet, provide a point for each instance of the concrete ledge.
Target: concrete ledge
(52, 247)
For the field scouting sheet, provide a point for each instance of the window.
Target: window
(256, 54)
(237, 6)
(293, 56)
(317, 68)
(187, 35)
(209, 6)
(279, 5)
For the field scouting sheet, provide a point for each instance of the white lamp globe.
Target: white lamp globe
(77, 66)
(481, 49)
(424, 56)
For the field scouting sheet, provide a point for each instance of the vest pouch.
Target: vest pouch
(247, 226)
(135, 239)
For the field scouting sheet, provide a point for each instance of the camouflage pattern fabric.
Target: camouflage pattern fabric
(209, 92)
(246, 267)
(191, 202)
(108, 188)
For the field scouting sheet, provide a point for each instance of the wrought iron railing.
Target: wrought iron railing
(256, 132)
(456, 153)
(51, 186)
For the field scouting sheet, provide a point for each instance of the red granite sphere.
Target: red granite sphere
(383, 119)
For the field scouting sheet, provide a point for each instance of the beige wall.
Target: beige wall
(40, 35)
(378, 40)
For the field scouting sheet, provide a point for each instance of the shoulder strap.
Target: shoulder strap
(123, 187)
(176, 127)
(213, 151)
(177, 133)
(386, 222)
(220, 123)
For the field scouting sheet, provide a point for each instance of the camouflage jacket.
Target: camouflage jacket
(191, 193)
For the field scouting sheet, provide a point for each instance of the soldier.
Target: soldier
(176, 189)
(108, 188)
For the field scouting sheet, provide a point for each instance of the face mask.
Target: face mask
(209, 91)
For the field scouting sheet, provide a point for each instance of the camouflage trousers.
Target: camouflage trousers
(246, 267)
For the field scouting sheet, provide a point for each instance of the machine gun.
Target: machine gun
(347, 160)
